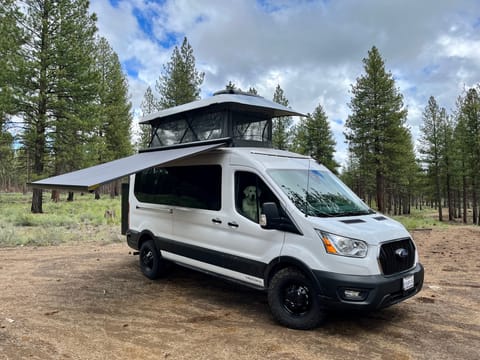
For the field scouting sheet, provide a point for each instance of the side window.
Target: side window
(250, 193)
(196, 187)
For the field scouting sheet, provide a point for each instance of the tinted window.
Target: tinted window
(188, 186)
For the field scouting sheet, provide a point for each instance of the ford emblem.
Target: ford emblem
(401, 253)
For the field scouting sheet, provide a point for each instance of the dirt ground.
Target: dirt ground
(90, 301)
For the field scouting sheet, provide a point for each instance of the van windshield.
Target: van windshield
(318, 193)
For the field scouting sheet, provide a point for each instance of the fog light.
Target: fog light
(354, 294)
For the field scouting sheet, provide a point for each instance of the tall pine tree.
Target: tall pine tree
(432, 146)
(59, 35)
(469, 133)
(115, 119)
(148, 106)
(180, 81)
(375, 129)
(11, 59)
(281, 132)
(313, 137)
(11, 65)
(74, 101)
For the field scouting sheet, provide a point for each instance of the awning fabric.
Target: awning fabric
(91, 178)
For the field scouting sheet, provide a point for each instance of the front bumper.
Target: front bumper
(378, 291)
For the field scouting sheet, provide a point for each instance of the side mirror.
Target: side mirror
(270, 217)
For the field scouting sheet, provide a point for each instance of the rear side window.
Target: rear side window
(196, 187)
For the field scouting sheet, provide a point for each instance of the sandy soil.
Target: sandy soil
(92, 302)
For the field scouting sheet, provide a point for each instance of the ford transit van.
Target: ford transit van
(275, 221)
(210, 193)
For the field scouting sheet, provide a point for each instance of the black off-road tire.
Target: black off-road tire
(293, 300)
(151, 262)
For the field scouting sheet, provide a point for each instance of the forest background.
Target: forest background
(64, 105)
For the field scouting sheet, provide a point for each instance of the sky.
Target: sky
(313, 49)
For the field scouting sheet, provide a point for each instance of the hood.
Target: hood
(373, 229)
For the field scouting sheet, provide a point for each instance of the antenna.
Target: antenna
(308, 185)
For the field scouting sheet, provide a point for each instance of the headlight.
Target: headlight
(340, 245)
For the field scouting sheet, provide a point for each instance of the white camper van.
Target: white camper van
(210, 194)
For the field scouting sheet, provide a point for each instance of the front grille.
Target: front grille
(391, 262)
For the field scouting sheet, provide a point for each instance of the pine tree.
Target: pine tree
(448, 161)
(402, 176)
(39, 25)
(114, 111)
(432, 146)
(58, 86)
(469, 132)
(115, 119)
(281, 132)
(180, 81)
(74, 100)
(460, 155)
(148, 106)
(313, 137)
(375, 129)
(11, 65)
(11, 59)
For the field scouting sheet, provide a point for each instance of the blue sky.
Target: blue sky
(312, 48)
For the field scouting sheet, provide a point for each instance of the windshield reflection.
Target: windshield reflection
(319, 193)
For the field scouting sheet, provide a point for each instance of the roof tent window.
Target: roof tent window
(188, 129)
(209, 126)
(251, 128)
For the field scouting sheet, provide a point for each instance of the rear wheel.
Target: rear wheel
(151, 262)
(293, 301)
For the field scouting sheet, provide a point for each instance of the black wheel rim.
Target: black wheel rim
(296, 299)
(146, 257)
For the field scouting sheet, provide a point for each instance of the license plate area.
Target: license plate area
(407, 282)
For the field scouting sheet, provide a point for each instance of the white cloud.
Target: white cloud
(313, 49)
(452, 46)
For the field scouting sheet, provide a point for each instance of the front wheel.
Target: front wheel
(293, 301)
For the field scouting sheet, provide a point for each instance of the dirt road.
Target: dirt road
(90, 301)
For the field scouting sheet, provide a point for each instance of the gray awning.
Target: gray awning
(91, 178)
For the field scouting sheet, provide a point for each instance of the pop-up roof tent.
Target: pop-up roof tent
(229, 118)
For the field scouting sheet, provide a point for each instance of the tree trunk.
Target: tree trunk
(55, 195)
(459, 204)
(37, 198)
(464, 199)
(41, 117)
(380, 191)
(449, 200)
(438, 196)
(474, 203)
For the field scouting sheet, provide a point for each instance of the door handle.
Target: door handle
(233, 224)
(216, 221)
